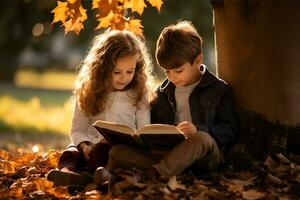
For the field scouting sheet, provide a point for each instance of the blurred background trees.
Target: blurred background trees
(38, 63)
(29, 40)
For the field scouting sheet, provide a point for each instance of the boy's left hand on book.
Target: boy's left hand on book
(188, 128)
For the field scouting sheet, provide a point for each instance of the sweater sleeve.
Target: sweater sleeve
(143, 113)
(80, 125)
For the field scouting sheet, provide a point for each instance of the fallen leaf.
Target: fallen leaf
(174, 184)
(273, 179)
(253, 195)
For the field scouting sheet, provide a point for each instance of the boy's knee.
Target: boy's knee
(202, 138)
(117, 150)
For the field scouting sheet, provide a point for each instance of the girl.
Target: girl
(112, 85)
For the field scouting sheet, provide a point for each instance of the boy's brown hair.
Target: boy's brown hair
(178, 44)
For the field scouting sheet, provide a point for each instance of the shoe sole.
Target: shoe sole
(64, 178)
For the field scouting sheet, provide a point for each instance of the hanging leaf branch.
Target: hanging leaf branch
(116, 14)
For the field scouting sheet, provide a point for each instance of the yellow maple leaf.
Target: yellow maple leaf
(156, 3)
(127, 4)
(134, 25)
(103, 7)
(138, 6)
(105, 22)
(72, 1)
(60, 12)
(71, 14)
(118, 22)
(77, 26)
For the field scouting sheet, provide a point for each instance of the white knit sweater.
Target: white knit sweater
(119, 108)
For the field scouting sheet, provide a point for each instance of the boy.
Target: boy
(192, 97)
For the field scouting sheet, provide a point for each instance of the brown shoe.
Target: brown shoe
(102, 177)
(61, 178)
(150, 175)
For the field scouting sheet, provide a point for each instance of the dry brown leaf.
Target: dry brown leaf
(253, 195)
(174, 184)
(8, 167)
(51, 158)
(283, 159)
(273, 179)
(270, 163)
(91, 195)
(4, 155)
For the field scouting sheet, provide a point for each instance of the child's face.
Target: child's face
(123, 72)
(185, 74)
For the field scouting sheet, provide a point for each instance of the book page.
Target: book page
(115, 127)
(159, 129)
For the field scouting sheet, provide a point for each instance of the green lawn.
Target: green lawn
(34, 116)
(47, 97)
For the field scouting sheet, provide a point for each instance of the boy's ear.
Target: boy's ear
(198, 59)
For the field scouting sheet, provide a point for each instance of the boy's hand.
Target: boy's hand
(188, 128)
(86, 149)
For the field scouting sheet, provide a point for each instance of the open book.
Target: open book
(153, 136)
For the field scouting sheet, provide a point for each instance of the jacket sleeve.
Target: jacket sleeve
(80, 125)
(157, 106)
(225, 128)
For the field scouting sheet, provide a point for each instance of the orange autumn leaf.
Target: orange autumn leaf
(105, 22)
(43, 184)
(4, 155)
(156, 3)
(60, 12)
(135, 26)
(24, 159)
(116, 14)
(71, 14)
(51, 158)
(138, 6)
(8, 167)
(104, 7)
(119, 22)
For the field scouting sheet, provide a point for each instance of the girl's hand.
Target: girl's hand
(86, 149)
(188, 128)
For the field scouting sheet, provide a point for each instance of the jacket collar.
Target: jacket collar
(207, 79)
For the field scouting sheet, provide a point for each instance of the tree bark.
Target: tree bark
(258, 54)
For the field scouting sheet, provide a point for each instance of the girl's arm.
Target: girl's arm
(80, 126)
(143, 113)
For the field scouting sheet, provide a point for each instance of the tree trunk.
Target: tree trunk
(258, 54)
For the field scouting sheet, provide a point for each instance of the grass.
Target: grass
(47, 97)
(47, 80)
(29, 116)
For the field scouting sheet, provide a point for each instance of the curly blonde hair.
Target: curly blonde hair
(93, 82)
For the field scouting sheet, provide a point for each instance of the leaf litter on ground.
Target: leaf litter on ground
(22, 176)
